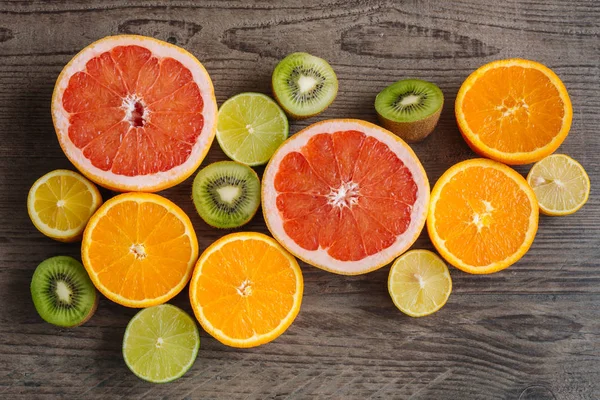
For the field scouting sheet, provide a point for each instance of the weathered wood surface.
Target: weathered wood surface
(530, 332)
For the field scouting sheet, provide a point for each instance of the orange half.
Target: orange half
(246, 289)
(139, 249)
(514, 111)
(483, 216)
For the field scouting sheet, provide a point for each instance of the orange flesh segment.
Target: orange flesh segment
(246, 263)
(482, 224)
(514, 109)
(162, 236)
(377, 209)
(133, 113)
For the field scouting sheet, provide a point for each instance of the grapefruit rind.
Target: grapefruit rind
(152, 182)
(140, 198)
(516, 158)
(438, 242)
(256, 340)
(320, 258)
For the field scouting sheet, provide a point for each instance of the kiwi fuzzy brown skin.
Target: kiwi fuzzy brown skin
(91, 313)
(412, 132)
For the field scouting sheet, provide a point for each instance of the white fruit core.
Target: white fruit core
(344, 196)
(138, 250)
(159, 342)
(228, 193)
(245, 289)
(306, 83)
(410, 99)
(250, 129)
(136, 112)
(60, 203)
(63, 292)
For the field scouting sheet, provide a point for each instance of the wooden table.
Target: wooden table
(529, 332)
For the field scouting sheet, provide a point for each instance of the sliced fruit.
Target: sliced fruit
(250, 127)
(304, 85)
(410, 108)
(161, 343)
(483, 216)
(419, 283)
(226, 194)
(345, 195)
(514, 111)
(60, 204)
(139, 249)
(246, 289)
(62, 292)
(134, 113)
(560, 183)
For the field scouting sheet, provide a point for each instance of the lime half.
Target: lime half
(161, 343)
(419, 283)
(250, 127)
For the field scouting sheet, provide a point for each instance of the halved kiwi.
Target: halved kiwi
(62, 292)
(226, 194)
(410, 108)
(304, 85)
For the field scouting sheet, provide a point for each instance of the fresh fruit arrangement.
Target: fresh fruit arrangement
(134, 114)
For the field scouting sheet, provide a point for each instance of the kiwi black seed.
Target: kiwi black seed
(410, 108)
(62, 292)
(304, 85)
(226, 194)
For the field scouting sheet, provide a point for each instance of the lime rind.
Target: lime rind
(161, 343)
(250, 127)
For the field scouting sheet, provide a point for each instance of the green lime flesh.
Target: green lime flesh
(409, 100)
(250, 127)
(226, 194)
(304, 85)
(161, 343)
(62, 292)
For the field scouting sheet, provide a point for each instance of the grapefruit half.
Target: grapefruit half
(134, 113)
(345, 195)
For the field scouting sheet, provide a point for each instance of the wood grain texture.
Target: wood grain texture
(531, 332)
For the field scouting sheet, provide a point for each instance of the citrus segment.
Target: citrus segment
(250, 127)
(345, 195)
(483, 216)
(560, 183)
(161, 343)
(134, 113)
(60, 204)
(514, 111)
(246, 289)
(419, 283)
(139, 249)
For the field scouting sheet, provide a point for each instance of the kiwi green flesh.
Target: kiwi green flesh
(409, 100)
(62, 292)
(304, 85)
(226, 194)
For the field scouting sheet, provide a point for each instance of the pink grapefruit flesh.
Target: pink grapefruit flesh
(134, 113)
(345, 195)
